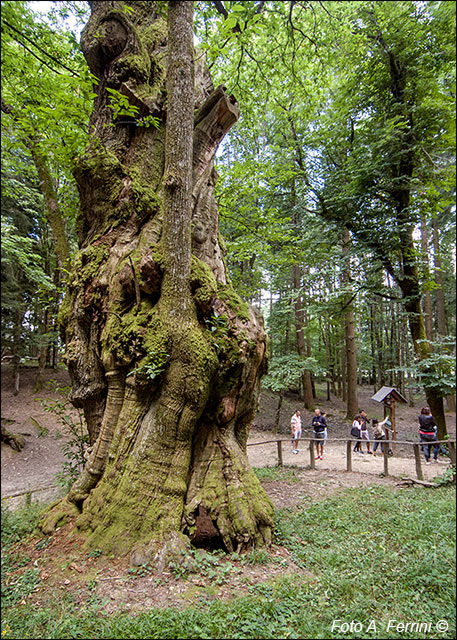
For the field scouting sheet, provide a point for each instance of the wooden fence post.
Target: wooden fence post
(279, 445)
(386, 457)
(349, 455)
(451, 446)
(311, 454)
(417, 455)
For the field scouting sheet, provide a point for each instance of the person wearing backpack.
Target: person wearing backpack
(378, 434)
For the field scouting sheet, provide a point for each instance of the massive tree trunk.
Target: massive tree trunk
(165, 358)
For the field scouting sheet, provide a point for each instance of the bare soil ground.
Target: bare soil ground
(66, 567)
(41, 459)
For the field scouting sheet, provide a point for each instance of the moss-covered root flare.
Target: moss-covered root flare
(55, 515)
(160, 552)
(226, 488)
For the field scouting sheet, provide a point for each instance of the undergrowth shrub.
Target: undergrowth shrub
(74, 432)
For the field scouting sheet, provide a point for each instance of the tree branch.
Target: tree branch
(10, 26)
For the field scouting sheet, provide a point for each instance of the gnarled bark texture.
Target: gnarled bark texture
(165, 358)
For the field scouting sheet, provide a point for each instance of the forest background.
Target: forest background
(336, 202)
(336, 188)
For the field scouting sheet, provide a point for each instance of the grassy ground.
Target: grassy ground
(365, 558)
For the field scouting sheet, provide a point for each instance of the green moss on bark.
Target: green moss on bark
(147, 201)
(203, 283)
(234, 302)
(86, 264)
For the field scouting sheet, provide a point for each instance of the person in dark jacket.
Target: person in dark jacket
(319, 424)
(427, 433)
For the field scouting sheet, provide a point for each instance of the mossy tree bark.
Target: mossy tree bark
(165, 358)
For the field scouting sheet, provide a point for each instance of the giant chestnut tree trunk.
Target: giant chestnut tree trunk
(165, 358)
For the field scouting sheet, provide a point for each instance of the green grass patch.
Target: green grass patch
(369, 554)
(17, 524)
(275, 474)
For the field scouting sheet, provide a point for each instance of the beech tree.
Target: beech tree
(165, 359)
(385, 184)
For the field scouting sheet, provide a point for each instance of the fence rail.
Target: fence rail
(350, 442)
(13, 499)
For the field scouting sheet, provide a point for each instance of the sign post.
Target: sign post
(389, 396)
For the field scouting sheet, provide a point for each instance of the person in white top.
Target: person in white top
(295, 426)
(379, 434)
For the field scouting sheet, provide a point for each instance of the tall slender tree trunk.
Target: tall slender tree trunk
(300, 317)
(165, 358)
(17, 349)
(278, 411)
(301, 345)
(53, 212)
(441, 315)
(427, 300)
(402, 168)
(439, 291)
(343, 371)
(410, 288)
(351, 357)
(328, 376)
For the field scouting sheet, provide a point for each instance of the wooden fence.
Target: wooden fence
(350, 443)
(26, 494)
(25, 497)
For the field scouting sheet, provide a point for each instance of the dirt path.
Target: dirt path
(42, 458)
(37, 464)
(265, 455)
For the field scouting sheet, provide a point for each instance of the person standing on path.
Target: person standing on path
(319, 424)
(379, 434)
(356, 432)
(364, 419)
(295, 426)
(427, 433)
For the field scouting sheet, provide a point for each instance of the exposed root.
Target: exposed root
(409, 482)
(56, 515)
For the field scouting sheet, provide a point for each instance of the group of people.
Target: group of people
(319, 424)
(359, 430)
(427, 432)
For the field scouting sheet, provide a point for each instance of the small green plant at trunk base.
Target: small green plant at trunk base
(75, 433)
